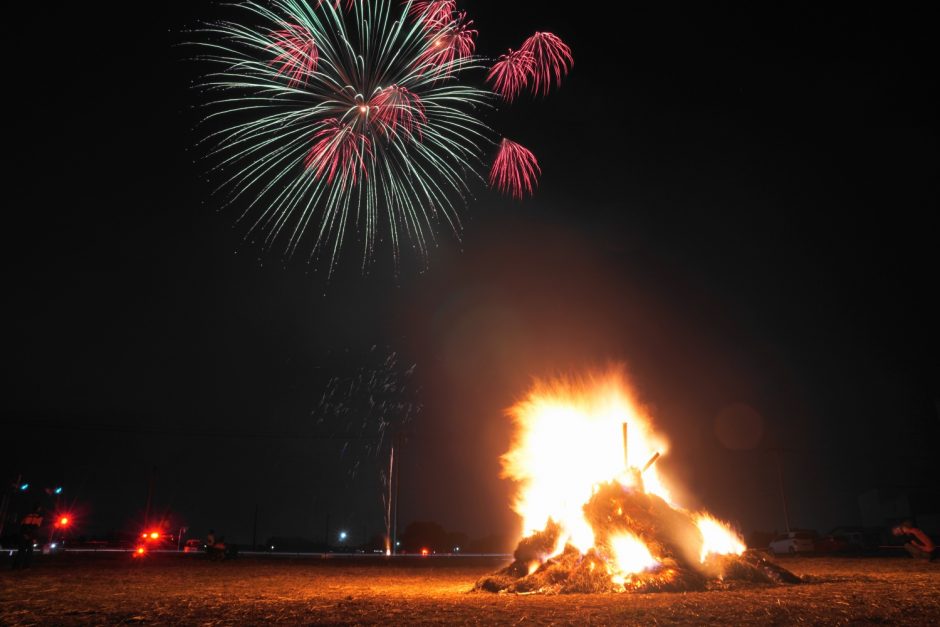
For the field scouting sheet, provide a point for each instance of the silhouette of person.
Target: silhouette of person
(918, 544)
(29, 532)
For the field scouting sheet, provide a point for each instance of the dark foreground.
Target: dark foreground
(175, 589)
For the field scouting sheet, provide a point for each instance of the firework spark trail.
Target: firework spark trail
(552, 60)
(339, 150)
(434, 12)
(287, 146)
(399, 109)
(510, 74)
(515, 170)
(338, 4)
(370, 409)
(297, 53)
(363, 405)
(449, 41)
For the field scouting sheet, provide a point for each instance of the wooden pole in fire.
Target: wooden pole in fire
(651, 462)
(626, 457)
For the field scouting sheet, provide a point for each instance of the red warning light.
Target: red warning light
(64, 521)
(424, 551)
(154, 535)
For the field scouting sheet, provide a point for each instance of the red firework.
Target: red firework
(336, 4)
(515, 170)
(396, 107)
(434, 12)
(453, 40)
(510, 74)
(297, 53)
(552, 59)
(339, 151)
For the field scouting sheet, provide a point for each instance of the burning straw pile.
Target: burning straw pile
(610, 526)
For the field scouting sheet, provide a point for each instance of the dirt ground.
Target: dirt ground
(181, 589)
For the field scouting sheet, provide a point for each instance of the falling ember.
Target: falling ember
(515, 170)
(596, 515)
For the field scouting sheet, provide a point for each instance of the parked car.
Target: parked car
(194, 545)
(858, 538)
(832, 544)
(792, 542)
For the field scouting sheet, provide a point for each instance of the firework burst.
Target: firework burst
(396, 108)
(346, 120)
(435, 12)
(552, 60)
(449, 41)
(296, 54)
(510, 74)
(339, 152)
(515, 170)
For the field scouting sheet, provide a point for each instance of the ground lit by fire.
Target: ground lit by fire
(596, 513)
(188, 590)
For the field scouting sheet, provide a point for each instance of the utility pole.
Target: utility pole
(783, 496)
(398, 441)
(390, 543)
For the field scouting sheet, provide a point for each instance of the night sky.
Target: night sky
(738, 204)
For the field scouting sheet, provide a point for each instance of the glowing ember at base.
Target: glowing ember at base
(598, 523)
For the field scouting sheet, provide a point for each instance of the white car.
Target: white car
(792, 543)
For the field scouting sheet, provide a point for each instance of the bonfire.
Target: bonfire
(597, 516)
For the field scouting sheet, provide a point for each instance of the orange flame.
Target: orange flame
(630, 556)
(718, 537)
(568, 440)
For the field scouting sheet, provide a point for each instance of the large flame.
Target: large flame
(568, 442)
(630, 556)
(717, 538)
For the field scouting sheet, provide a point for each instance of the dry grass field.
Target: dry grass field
(189, 590)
